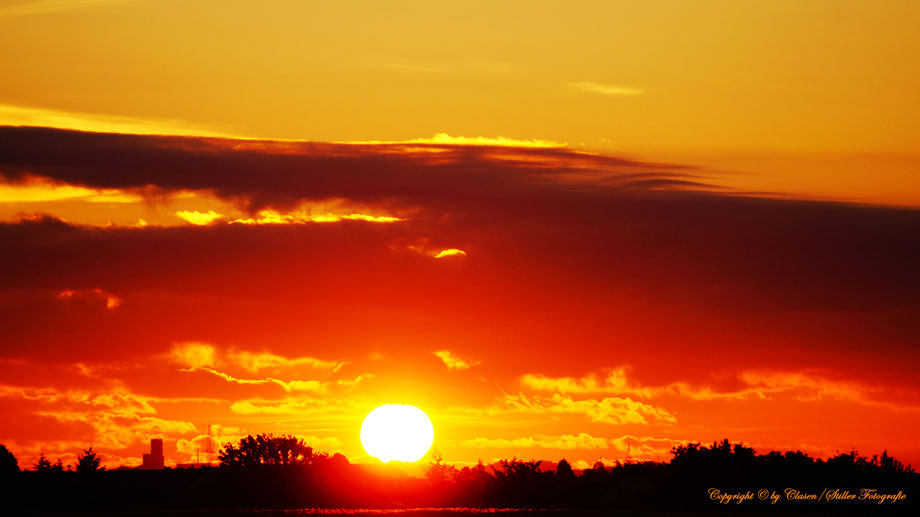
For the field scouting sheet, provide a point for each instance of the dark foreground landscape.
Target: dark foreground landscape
(281, 476)
(453, 512)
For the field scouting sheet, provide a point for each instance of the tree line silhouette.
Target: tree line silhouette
(267, 471)
(88, 461)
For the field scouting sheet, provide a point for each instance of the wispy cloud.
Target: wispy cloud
(605, 89)
(288, 386)
(253, 362)
(200, 357)
(91, 295)
(12, 115)
(306, 215)
(37, 190)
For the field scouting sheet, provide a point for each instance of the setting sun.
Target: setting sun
(397, 432)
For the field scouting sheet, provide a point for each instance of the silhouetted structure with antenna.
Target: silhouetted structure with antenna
(209, 447)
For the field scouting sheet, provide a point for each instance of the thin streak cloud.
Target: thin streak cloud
(12, 115)
(52, 6)
(605, 89)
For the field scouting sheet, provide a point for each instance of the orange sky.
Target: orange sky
(659, 249)
(824, 89)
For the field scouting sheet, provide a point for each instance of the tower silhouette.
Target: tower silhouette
(154, 460)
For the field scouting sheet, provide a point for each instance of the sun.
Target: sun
(397, 432)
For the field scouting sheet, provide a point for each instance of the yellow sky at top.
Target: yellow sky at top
(697, 80)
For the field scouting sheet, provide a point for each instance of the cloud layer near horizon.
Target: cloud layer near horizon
(280, 174)
(572, 262)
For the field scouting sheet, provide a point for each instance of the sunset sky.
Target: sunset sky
(586, 230)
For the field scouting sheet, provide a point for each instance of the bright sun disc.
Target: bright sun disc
(397, 432)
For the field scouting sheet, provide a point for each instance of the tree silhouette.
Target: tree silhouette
(722, 457)
(564, 470)
(475, 480)
(282, 472)
(519, 470)
(437, 471)
(89, 461)
(8, 462)
(266, 449)
(889, 464)
(43, 464)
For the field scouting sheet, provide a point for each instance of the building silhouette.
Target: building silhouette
(154, 460)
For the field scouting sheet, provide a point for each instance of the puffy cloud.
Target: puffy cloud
(195, 355)
(122, 403)
(609, 410)
(454, 362)
(614, 381)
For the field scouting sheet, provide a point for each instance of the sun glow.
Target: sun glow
(397, 432)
